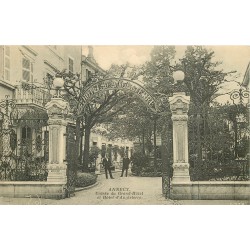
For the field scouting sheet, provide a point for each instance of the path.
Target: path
(129, 190)
(121, 190)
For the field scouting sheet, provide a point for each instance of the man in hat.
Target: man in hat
(107, 166)
(125, 165)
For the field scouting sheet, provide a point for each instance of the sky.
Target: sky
(233, 57)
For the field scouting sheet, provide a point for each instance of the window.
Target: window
(7, 63)
(27, 70)
(26, 133)
(71, 65)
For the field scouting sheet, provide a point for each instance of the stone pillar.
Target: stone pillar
(179, 105)
(57, 110)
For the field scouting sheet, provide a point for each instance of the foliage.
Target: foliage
(142, 165)
(203, 78)
(137, 122)
(101, 109)
(131, 123)
(85, 179)
(29, 171)
(210, 139)
(217, 142)
(243, 147)
(215, 170)
(139, 161)
(94, 153)
(238, 116)
(158, 71)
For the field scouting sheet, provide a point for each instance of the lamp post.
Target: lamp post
(178, 104)
(57, 110)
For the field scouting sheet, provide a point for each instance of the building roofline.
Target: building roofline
(30, 50)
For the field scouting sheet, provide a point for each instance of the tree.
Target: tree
(102, 108)
(93, 154)
(159, 78)
(203, 79)
(133, 124)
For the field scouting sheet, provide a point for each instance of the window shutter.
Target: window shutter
(27, 70)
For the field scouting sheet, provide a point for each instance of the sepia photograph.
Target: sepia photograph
(124, 125)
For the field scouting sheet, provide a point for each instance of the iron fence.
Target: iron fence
(24, 144)
(215, 141)
(26, 161)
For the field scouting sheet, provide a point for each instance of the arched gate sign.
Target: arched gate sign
(120, 84)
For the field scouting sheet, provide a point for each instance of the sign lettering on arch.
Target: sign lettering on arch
(120, 84)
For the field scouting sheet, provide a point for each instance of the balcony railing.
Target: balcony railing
(32, 95)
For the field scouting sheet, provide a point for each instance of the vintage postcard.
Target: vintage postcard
(124, 125)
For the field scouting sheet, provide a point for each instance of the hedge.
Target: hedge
(85, 179)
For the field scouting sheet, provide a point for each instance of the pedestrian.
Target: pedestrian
(107, 166)
(125, 165)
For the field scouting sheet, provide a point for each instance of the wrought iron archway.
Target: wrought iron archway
(124, 84)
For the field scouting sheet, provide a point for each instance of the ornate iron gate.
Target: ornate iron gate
(71, 158)
(24, 144)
